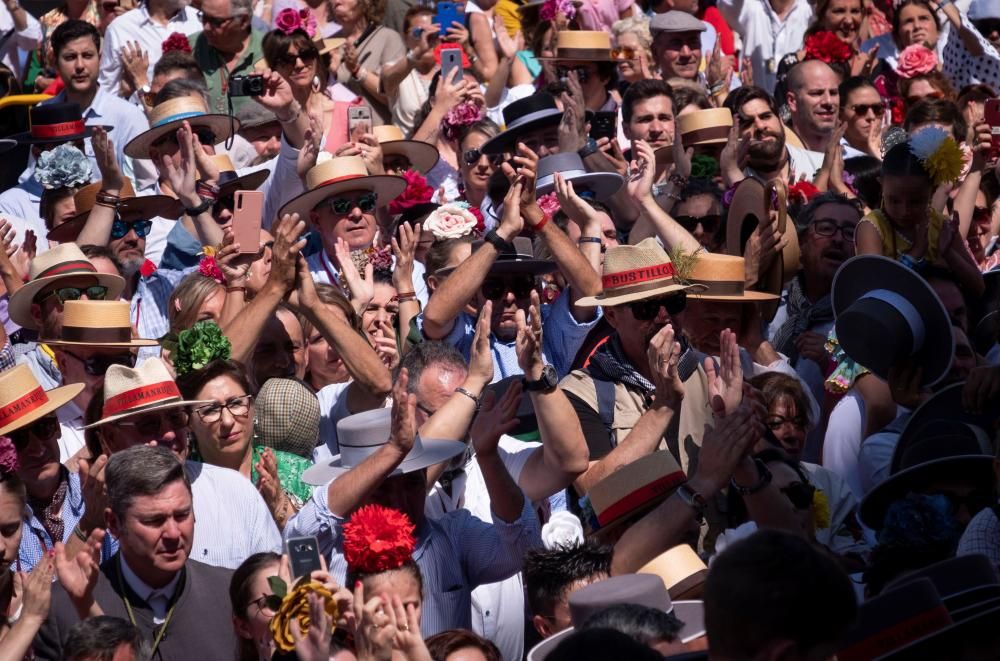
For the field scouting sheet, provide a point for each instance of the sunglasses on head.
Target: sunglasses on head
(43, 429)
(365, 202)
(308, 56)
(495, 289)
(863, 108)
(93, 292)
(120, 228)
(709, 222)
(472, 156)
(801, 494)
(99, 364)
(649, 309)
(910, 100)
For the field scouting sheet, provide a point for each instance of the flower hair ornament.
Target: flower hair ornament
(916, 60)
(464, 114)
(553, 8)
(291, 20)
(417, 191)
(8, 457)
(938, 152)
(197, 346)
(63, 167)
(562, 531)
(451, 221)
(208, 266)
(176, 41)
(827, 47)
(378, 539)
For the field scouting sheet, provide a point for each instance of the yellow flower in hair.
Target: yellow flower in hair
(945, 164)
(821, 510)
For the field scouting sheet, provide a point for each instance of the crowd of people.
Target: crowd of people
(500, 329)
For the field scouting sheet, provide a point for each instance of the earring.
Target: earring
(316, 84)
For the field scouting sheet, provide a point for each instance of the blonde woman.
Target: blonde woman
(633, 48)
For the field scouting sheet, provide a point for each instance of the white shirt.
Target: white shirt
(20, 206)
(157, 598)
(803, 162)
(136, 25)
(766, 38)
(26, 40)
(71, 439)
(842, 443)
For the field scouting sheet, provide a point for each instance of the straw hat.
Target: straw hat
(97, 324)
(133, 391)
(339, 175)
(569, 164)
(681, 570)
(55, 122)
(129, 208)
(65, 264)
(23, 400)
(634, 273)
(231, 181)
(168, 116)
(723, 277)
(699, 127)
(421, 155)
(582, 46)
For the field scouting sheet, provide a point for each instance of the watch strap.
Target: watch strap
(497, 242)
(693, 499)
(588, 148)
(763, 480)
(547, 383)
(205, 205)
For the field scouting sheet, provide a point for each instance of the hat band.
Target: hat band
(636, 499)
(16, 409)
(334, 180)
(905, 308)
(173, 118)
(63, 268)
(707, 133)
(352, 455)
(897, 635)
(89, 334)
(60, 130)
(720, 287)
(637, 276)
(549, 177)
(139, 397)
(583, 54)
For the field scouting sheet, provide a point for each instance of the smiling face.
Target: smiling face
(843, 18)
(347, 12)
(653, 121)
(297, 64)
(678, 54)
(475, 175)
(916, 26)
(822, 255)
(78, 64)
(224, 441)
(354, 226)
(629, 69)
(156, 532)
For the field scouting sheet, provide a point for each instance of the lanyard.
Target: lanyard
(131, 615)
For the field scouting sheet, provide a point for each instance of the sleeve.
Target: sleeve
(283, 184)
(597, 435)
(515, 454)
(30, 38)
(461, 335)
(315, 518)
(563, 335)
(393, 48)
(982, 536)
(875, 459)
(494, 551)
(963, 68)
(7, 359)
(736, 14)
(111, 66)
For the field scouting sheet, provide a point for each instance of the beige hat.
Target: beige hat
(338, 175)
(699, 127)
(681, 570)
(64, 262)
(97, 324)
(635, 273)
(129, 208)
(582, 46)
(231, 181)
(723, 276)
(23, 400)
(170, 115)
(133, 391)
(421, 155)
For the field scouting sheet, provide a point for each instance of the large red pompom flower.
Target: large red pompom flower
(378, 539)
(827, 47)
(417, 192)
(176, 41)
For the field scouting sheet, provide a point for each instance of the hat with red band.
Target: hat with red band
(55, 123)
(635, 273)
(23, 400)
(66, 266)
(134, 391)
(342, 174)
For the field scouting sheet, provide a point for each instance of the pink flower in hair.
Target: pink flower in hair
(8, 456)
(916, 60)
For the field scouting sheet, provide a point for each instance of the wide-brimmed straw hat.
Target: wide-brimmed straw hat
(361, 435)
(129, 208)
(132, 391)
(168, 116)
(66, 263)
(97, 324)
(723, 279)
(339, 175)
(421, 155)
(641, 589)
(701, 127)
(683, 573)
(635, 273)
(23, 400)
(55, 122)
(887, 314)
(512, 262)
(531, 113)
(601, 185)
(582, 46)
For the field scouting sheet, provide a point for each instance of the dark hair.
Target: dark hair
(276, 43)
(408, 567)
(548, 574)
(97, 639)
(70, 30)
(852, 84)
(901, 162)
(688, 95)
(806, 216)
(599, 645)
(181, 87)
(178, 60)
(413, 12)
(331, 295)
(443, 644)
(936, 79)
(440, 252)
(899, 10)
(50, 198)
(771, 586)
(240, 596)
(641, 90)
(974, 93)
(12, 484)
(866, 171)
(191, 383)
(141, 470)
(744, 95)
(938, 111)
(101, 252)
(774, 385)
(425, 354)
(821, 7)
(640, 623)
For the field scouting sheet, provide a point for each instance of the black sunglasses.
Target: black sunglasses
(205, 137)
(581, 73)
(648, 309)
(308, 56)
(213, 20)
(863, 108)
(495, 289)
(801, 494)
(472, 156)
(99, 364)
(94, 293)
(120, 228)
(709, 223)
(43, 429)
(226, 202)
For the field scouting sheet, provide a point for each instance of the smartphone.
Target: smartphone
(992, 117)
(303, 556)
(451, 58)
(359, 117)
(314, 243)
(248, 211)
(604, 125)
(447, 13)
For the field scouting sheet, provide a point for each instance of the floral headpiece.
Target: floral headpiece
(176, 41)
(553, 8)
(916, 60)
(563, 531)
(378, 539)
(200, 345)
(802, 191)
(8, 457)
(289, 20)
(417, 192)
(293, 606)
(208, 266)
(452, 220)
(464, 114)
(64, 166)
(938, 153)
(827, 47)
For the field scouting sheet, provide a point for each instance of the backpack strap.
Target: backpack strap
(606, 405)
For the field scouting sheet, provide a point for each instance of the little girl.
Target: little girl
(907, 228)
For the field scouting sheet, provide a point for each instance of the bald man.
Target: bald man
(814, 101)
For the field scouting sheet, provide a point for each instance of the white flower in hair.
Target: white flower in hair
(563, 530)
(451, 221)
(64, 166)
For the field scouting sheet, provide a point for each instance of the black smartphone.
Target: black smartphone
(303, 556)
(249, 85)
(604, 125)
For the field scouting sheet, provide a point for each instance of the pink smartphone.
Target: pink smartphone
(248, 211)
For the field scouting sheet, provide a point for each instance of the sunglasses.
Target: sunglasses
(710, 222)
(365, 202)
(649, 309)
(43, 429)
(224, 203)
(120, 228)
(801, 494)
(308, 56)
(863, 108)
(99, 364)
(622, 53)
(149, 426)
(205, 137)
(910, 100)
(495, 289)
(826, 227)
(581, 73)
(472, 156)
(214, 21)
(94, 293)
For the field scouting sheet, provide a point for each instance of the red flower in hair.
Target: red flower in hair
(480, 227)
(803, 190)
(176, 41)
(378, 539)
(417, 192)
(827, 47)
(209, 268)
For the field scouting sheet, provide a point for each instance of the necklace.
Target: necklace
(131, 615)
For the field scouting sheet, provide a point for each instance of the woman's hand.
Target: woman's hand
(404, 249)
(269, 482)
(576, 208)
(277, 96)
(385, 345)
(718, 67)
(234, 265)
(20, 256)
(372, 627)
(181, 168)
(449, 93)
(982, 142)
(349, 57)
(725, 385)
(371, 154)
(315, 644)
(862, 64)
(457, 33)
(107, 161)
(36, 590)
(135, 63)
(507, 44)
(408, 639)
(362, 291)
(640, 181)
(682, 157)
(663, 355)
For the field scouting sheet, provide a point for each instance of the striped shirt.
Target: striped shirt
(148, 309)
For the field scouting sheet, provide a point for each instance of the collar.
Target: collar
(146, 18)
(70, 415)
(141, 589)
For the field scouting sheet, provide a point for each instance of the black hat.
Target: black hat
(55, 123)
(519, 260)
(528, 114)
(967, 583)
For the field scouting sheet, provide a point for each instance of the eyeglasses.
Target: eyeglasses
(93, 292)
(863, 108)
(224, 203)
(622, 53)
(238, 407)
(828, 228)
(910, 100)
(581, 73)
(99, 364)
(268, 604)
(800, 493)
(776, 422)
(43, 429)
(214, 21)
(120, 228)
(709, 223)
(472, 156)
(365, 202)
(648, 310)
(308, 56)
(150, 425)
(495, 289)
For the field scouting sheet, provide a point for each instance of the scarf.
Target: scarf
(50, 514)
(802, 315)
(610, 364)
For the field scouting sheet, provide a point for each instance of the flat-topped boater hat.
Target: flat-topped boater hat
(582, 46)
(635, 273)
(23, 400)
(170, 115)
(341, 174)
(422, 156)
(97, 324)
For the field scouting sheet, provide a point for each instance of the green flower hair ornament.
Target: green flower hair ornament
(198, 346)
(703, 167)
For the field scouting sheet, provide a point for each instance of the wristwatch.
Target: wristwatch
(497, 242)
(588, 148)
(547, 383)
(763, 480)
(694, 500)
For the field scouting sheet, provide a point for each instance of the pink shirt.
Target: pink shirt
(600, 14)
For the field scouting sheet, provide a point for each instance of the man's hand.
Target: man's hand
(682, 156)
(575, 208)
(481, 355)
(404, 416)
(95, 493)
(725, 446)
(725, 385)
(288, 243)
(812, 345)
(572, 126)
(495, 418)
(733, 157)
(78, 575)
(640, 182)
(529, 340)
(613, 152)
(904, 384)
(511, 223)
(107, 162)
(663, 353)
(181, 168)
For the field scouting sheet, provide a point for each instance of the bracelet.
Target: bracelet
(694, 500)
(105, 204)
(717, 87)
(763, 481)
(590, 239)
(408, 296)
(912, 263)
(677, 179)
(107, 199)
(206, 204)
(470, 396)
(206, 189)
(544, 221)
(230, 290)
(298, 111)
(80, 534)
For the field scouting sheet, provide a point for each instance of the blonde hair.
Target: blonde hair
(637, 24)
(191, 293)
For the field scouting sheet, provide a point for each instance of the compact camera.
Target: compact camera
(252, 85)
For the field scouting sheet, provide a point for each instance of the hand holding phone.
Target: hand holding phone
(448, 13)
(451, 60)
(303, 556)
(248, 211)
(991, 114)
(359, 121)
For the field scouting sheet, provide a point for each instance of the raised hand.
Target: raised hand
(362, 290)
(613, 152)
(496, 417)
(373, 632)
(235, 266)
(512, 223)
(663, 354)
(682, 156)
(135, 63)
(404, 249)
(862, 64)
(725, 385)
(315, 644)
(385, 345)
(288, 243)
(311, 147)
(746, 73)
(78, 574)
(725, 446)
(574, 206)
(371, 153)
(572, 135)
(107, 161)
(34, 590)
(408, 639)
(508, 45)
(404, 415)
(527, 168)
(529, 339)
(277, 96)
(450, 92)
(268, 480)
(640, 182)
(182, 168)
(481, 355)
(95, 493)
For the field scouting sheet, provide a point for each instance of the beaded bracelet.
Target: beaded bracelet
(589, 239)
